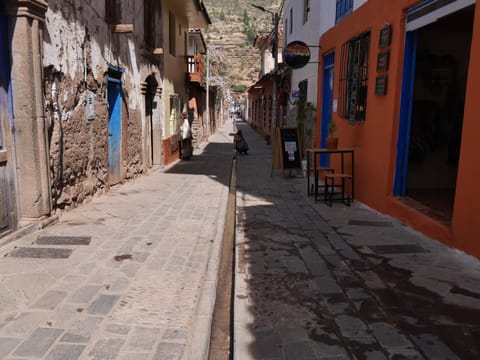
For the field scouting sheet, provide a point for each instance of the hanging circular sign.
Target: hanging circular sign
(296, 54)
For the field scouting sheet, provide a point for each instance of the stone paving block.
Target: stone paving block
(81, 331)
(7, 345)
(50, 300)
(141, 256)
(175, 334)
(143, 339)
(357, 294)
(66, 352)
(388, 336)
(337, 242)
(462, 301)
(134, 356)
(317, 267)
(106, 349)
(338, 306)
(84, 294)
(335, 261)
(404, 354)
(130, 269)
(300, 350)
(169, 351)
(351, 327)
(366, 348)
(350, 254)
(372, 280)
(294, 334)
(327, 343)
(433, 348)
(118, 329)
(39, 342)
(103, 304)
(295, 266)
(327, 285)
(24, 323)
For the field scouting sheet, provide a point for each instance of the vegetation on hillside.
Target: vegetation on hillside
(235, 24)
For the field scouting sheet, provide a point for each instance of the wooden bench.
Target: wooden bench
(331, 182)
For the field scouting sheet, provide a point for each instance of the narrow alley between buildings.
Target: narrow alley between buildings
(133, 274)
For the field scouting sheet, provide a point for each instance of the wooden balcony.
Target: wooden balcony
(196, 69)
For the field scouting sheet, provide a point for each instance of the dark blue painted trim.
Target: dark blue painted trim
(406, 105)
(5, 61)
(327, 99)
(113, 80)
(343, 8)
(419, 6)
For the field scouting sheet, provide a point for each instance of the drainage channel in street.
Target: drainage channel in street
(221, 340)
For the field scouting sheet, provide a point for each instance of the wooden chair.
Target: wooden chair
(338, 181)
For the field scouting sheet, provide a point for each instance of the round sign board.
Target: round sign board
(296, 54)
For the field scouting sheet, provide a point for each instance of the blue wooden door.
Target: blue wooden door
(5, 116)
(114, 95)
(401, 171)
(327, 102)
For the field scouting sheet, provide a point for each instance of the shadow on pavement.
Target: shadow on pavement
(316, 282)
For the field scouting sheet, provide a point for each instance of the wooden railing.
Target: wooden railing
(196, 69)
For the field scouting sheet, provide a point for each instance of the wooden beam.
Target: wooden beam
(122, 28)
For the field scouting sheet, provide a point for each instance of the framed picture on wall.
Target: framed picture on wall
(385, 36)
(382, 61)
(381, 85)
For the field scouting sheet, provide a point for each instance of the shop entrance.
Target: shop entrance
(435, 76)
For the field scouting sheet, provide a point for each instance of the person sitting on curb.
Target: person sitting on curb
(239, 143)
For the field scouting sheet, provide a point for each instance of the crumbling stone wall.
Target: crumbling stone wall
(78, 48)
(132, 163)
(78, 147)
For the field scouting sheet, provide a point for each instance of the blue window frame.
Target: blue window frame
(343, 8)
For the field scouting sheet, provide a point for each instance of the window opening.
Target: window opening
(112, 12)
(291, 20)
(353, 86)
(171, 32)
(343, 8)
(306, 10)
(149, 23)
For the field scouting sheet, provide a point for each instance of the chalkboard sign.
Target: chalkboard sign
(290, 149)
(286, 150)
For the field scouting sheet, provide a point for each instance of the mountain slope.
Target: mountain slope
(235, 23)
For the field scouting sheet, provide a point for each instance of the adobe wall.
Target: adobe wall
(78, 47)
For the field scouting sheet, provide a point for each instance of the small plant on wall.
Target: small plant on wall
(331, 141)
(306, 117)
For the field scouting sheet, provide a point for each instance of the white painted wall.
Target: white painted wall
(64, 38)
(358, 3)
(321, 18)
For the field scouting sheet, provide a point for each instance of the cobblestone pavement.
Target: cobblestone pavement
(314, 282)
(137, 278)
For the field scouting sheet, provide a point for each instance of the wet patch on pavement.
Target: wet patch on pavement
(40, 253)
(398, 249)
(370, 223)
(63, 240)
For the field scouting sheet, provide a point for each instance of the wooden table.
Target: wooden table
(312, 155)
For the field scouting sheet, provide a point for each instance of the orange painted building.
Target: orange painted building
(404, 95)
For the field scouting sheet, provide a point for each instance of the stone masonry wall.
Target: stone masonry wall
(78, 48)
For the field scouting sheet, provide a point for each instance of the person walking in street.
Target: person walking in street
(186, 133)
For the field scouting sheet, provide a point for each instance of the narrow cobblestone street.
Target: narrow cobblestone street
(314, 282)
(144, 285)
(132, 274)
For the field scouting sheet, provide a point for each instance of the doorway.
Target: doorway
(6, 213)
(433, 97)
(114, 98)
(327, 102)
